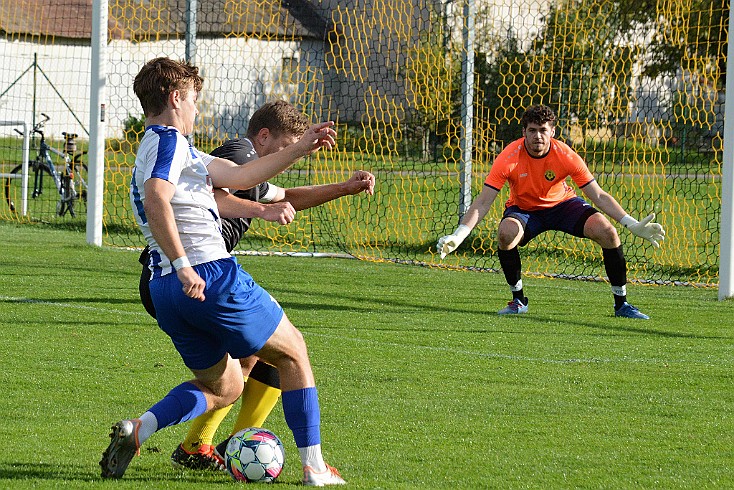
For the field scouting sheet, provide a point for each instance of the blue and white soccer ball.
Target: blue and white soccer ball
(254, 455)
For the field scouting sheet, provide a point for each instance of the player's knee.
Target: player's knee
(508, 236)
(229, 387)
(604, 233)
(296, 350)
(297, 338)
(231, 390)
(285, 348)
(229, 400)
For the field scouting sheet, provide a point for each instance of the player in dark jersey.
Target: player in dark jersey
(273, 127)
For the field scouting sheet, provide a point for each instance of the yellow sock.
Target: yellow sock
(203, 428)
(258, 400)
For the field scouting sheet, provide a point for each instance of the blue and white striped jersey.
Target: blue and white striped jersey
(165, 153)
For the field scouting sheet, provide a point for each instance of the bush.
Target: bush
(134, 128)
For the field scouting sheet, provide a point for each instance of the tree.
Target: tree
(507, 82)
(578, 64)
(695, 31)
(589, 61)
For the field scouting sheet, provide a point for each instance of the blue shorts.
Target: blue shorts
(568, 216)
(237, 316)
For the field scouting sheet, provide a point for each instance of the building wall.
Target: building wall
(58, 86)
(240, 74)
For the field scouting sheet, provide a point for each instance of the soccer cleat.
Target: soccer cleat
(122, 448)
(204, 458)
(514, 307)
(221, 448)
(330, 476)
(629, 311)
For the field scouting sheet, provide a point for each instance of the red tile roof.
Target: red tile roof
(163, 18)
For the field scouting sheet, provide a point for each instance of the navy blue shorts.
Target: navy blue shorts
(237, 316)
(568, 216)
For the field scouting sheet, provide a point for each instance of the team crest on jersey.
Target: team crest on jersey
(550, 175)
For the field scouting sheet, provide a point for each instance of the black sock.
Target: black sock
(512, 267)
(616, 268)
(619, 301)
(266, 374)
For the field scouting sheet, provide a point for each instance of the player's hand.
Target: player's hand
(361, 181)
(192, 284)
(278, 212)
(449, 243)
(321, 135)
(647, 229)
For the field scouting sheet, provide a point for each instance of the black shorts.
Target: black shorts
(568, 216)
(144, 286)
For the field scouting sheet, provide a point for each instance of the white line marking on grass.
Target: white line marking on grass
(11, 299)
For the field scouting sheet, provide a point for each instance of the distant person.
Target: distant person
(211, 308)
(536, 167)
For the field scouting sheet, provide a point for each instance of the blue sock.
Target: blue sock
(182, 403)
(303, 416)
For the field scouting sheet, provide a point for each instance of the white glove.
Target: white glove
(653, 232)
(447, 244)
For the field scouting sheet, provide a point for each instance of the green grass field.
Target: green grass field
(421, 384)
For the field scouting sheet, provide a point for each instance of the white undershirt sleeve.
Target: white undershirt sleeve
(269, 194)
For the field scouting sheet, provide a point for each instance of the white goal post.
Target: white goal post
(24, 162)
(97, 102)
(726, 245)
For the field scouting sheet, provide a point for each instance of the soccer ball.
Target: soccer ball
(254, 455)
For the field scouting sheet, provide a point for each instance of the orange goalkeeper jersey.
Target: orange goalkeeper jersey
(538, 183)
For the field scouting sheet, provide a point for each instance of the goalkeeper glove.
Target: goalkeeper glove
(447, 244)
(653, 232)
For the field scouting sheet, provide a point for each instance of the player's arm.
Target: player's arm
(647, 229)
(225, 173)
(603, 200)
(305, 197)
(476, 212)
(231, 206)
(158, 210)
(480, 207)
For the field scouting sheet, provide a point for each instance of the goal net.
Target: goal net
(638, 88)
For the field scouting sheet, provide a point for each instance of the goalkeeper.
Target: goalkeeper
(536, 167)
(272, 127)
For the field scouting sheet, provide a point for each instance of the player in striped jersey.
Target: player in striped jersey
(211, 308)
(272, 127)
